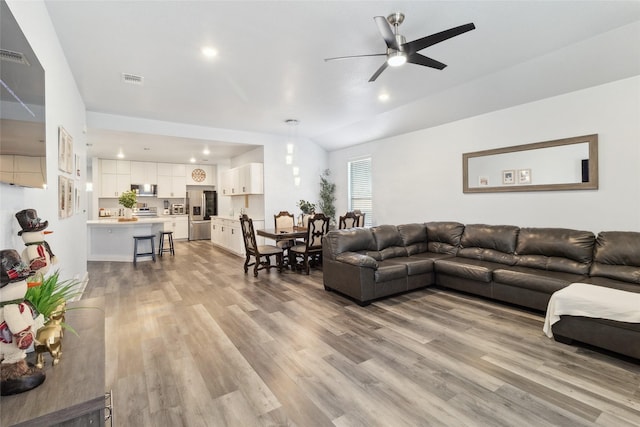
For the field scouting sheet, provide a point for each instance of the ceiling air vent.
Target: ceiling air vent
(11, 56)
(132, 79)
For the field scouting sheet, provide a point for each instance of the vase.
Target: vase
(128, 213)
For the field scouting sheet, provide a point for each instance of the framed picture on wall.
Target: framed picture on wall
(524, 176)
(70, 196)
(509, 176)
(65, 151)
(77, 166)
(76, 202)
(62, 196)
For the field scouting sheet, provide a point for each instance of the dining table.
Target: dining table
(283, 233)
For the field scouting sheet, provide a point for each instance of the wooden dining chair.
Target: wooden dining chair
(348, 220)
(317, 228)
(261, 253)
(360, 215)
(284, 219)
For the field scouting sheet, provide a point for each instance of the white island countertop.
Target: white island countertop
(114, 221)
(111, 240)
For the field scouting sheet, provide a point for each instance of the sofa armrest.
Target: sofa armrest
(358, 260)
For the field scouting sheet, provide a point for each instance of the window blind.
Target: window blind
(360, 194)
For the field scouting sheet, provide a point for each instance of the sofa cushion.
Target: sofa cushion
(466, 268)
(555, 249)
(349, 240)
(415, 265)
(617, 256)
(414, 238)
(493, 243)
(535, 279)
(444, 236)
(388, 242)
(385, 236)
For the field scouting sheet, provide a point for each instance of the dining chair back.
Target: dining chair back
(261, 253)
(360, 215)
(348, 220)
(284, 219)
(317, 228)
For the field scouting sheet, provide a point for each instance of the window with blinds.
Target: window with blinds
(360, 195)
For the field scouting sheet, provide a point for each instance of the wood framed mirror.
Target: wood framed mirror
(561, 164)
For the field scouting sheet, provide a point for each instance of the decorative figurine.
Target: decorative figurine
(37, 254)
(16, 326)
(49, 338)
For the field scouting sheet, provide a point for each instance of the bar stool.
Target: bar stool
(137, 254)
(161, 248)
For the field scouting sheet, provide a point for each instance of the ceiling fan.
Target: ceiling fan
(399, 51)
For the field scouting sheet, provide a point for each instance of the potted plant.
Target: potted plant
(327, 196)
(307, 209)
(128, 199)
(51, 296)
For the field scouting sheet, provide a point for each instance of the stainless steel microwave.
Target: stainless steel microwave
(145, 190)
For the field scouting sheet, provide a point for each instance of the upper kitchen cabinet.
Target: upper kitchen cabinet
(245, 179)
(115, 177)
(201, 175)
(144, 173)
(171, 180)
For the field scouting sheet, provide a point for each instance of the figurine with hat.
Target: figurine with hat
(16, 326)
(37, 254)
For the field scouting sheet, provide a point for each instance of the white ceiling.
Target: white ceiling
(270, 64)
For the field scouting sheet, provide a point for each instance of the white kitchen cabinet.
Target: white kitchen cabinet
(245, 179)
(115, 177)
(226, 233)
(144, 173)
(181, 231)
(250, 180)
(200, 175)
(179, 224)
(171, 180)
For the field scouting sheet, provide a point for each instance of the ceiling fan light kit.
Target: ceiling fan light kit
(399, 51)
(396, 59)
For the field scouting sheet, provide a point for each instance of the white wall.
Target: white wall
(64, 107)
(417, 177)
(281, 193)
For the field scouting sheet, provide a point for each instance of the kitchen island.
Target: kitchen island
(112, 240)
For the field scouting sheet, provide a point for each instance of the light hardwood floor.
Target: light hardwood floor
(193, 341)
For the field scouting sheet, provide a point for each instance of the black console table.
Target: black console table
(73, 393)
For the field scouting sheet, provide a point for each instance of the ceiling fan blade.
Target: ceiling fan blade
(378, 72)
(387, 33)
(354, 56)
(416, 58)
(419, 44)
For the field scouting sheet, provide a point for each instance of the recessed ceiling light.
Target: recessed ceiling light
(209, 52)
(192, 160)
(383, 97)
(120, 155)
(206, 151)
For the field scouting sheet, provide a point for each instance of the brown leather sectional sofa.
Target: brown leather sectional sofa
(522, 266)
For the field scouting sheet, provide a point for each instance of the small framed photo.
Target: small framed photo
(508, 176)
(483, 181)
(70, 194)
(62, 196)
(65, 151)
(524, 176)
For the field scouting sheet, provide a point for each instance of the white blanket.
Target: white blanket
(581, 299)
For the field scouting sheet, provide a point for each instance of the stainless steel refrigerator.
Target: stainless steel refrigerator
(201, 206)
